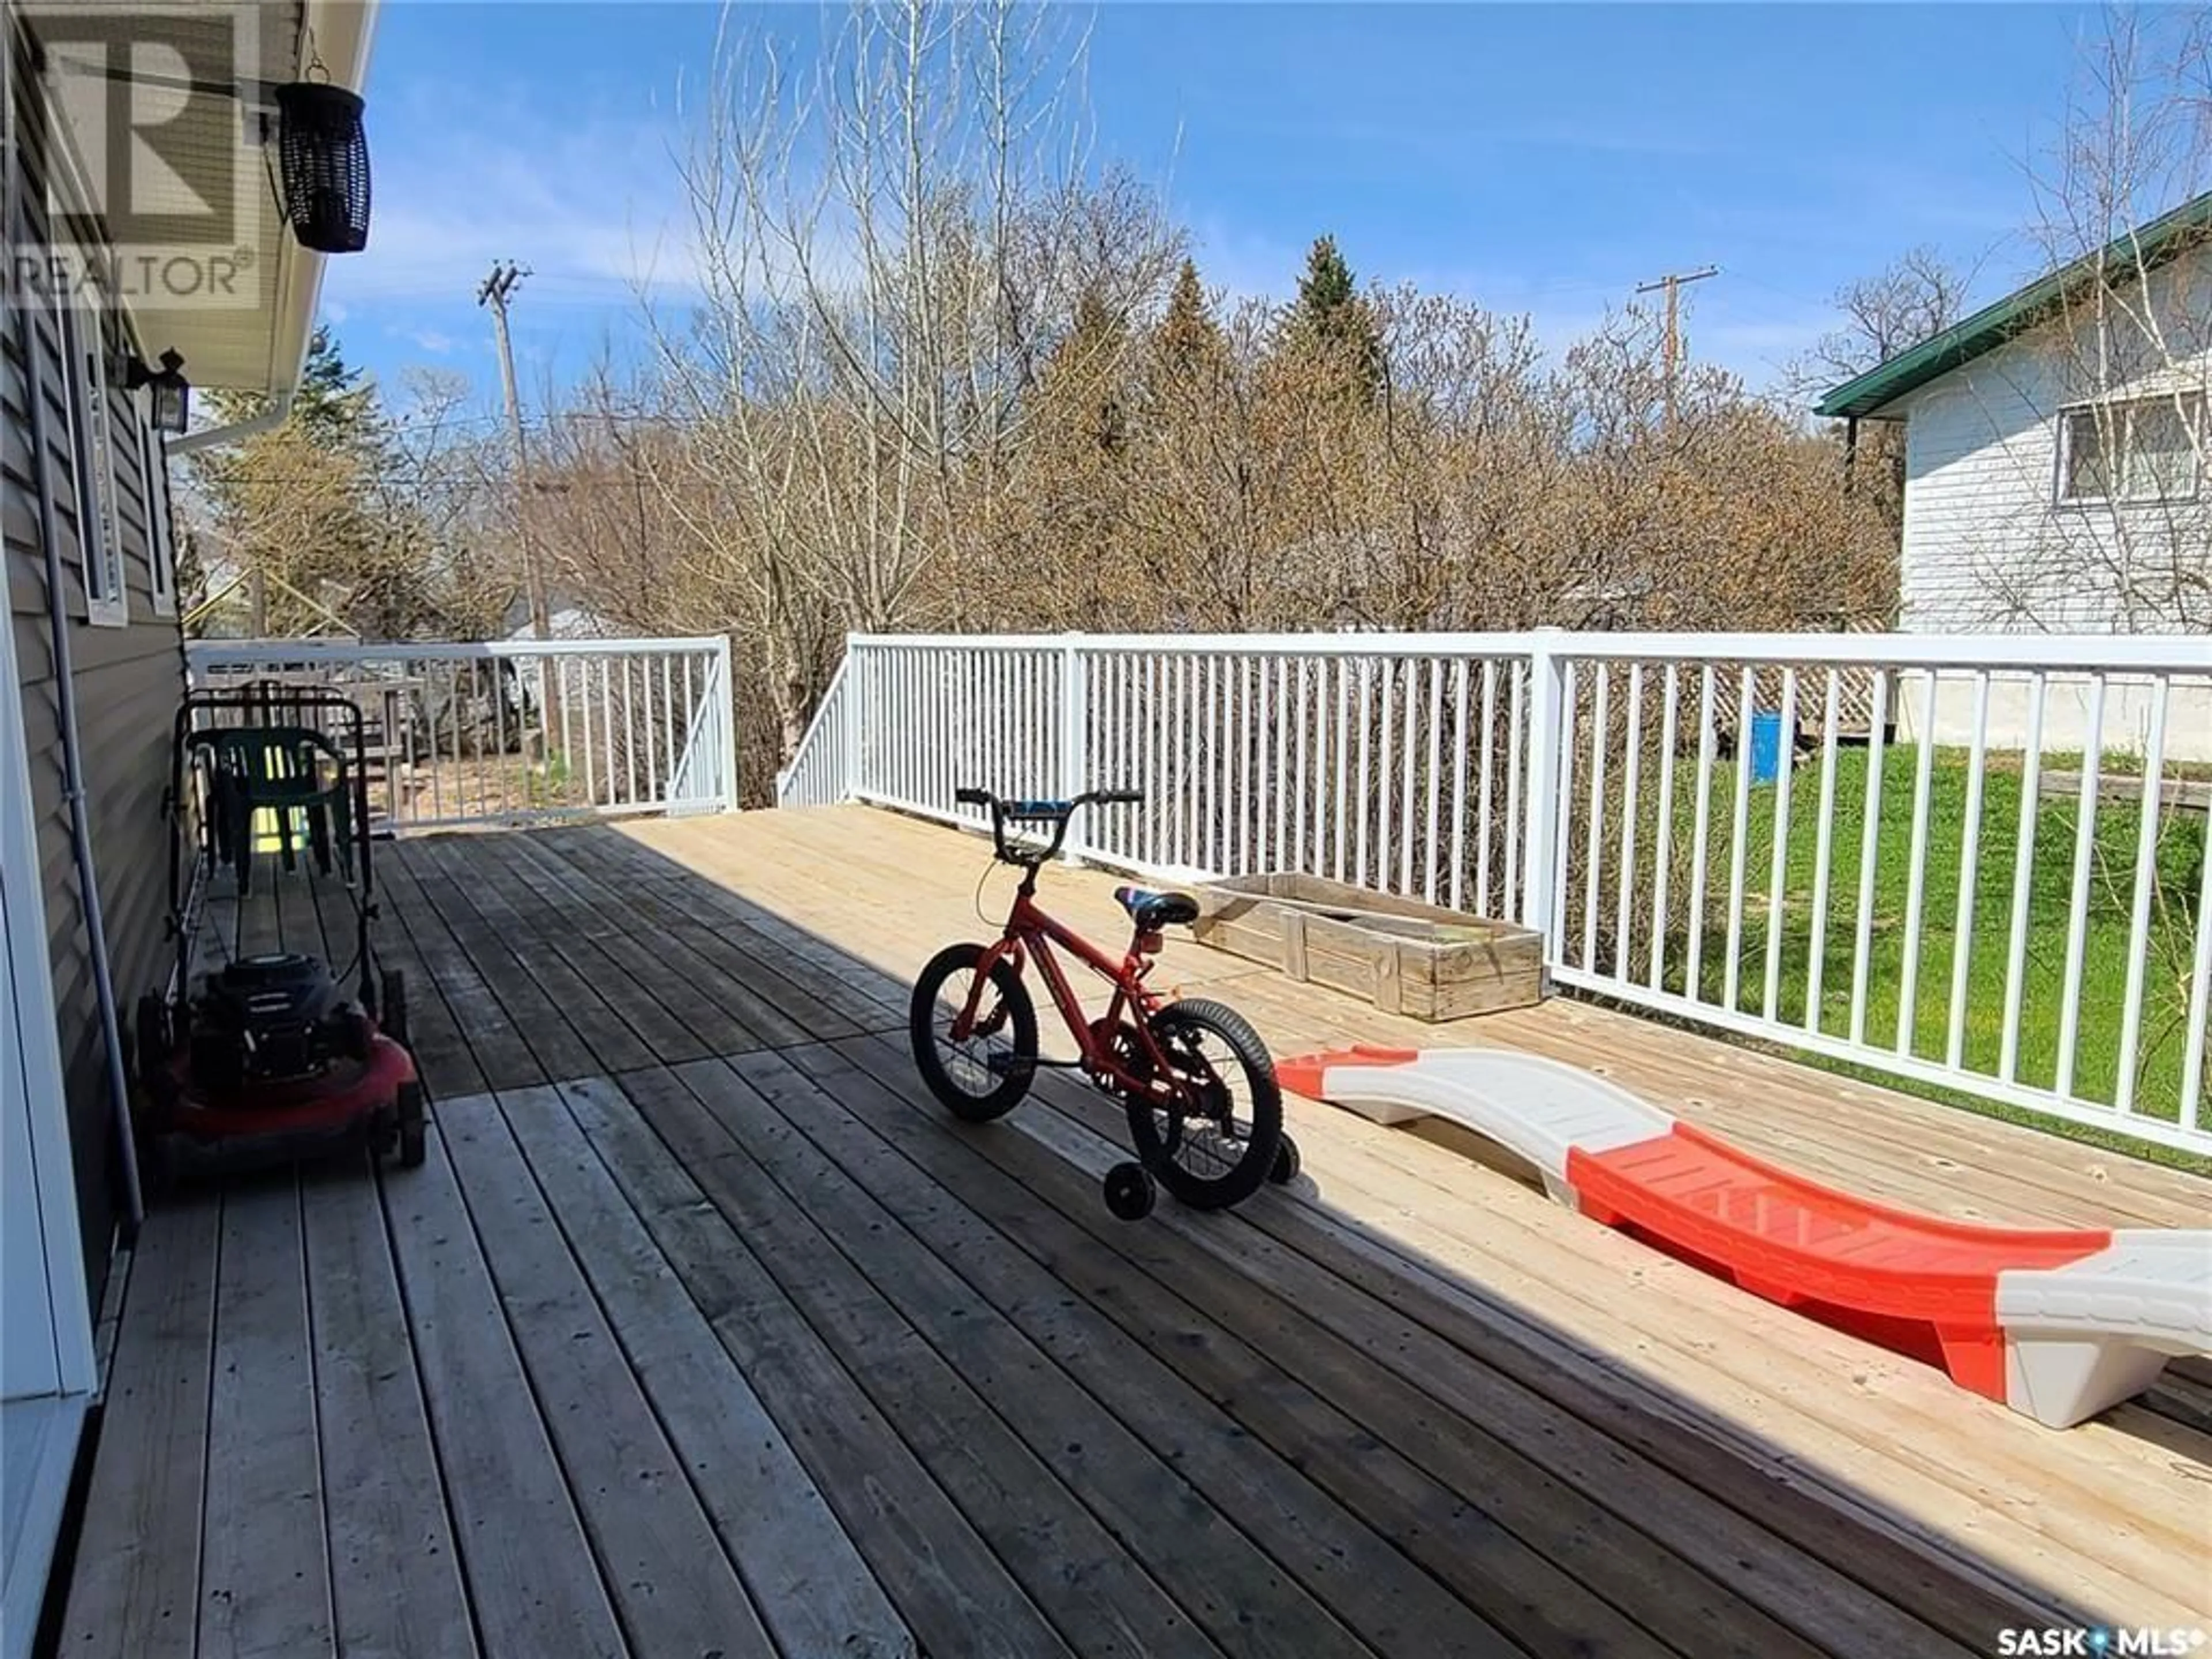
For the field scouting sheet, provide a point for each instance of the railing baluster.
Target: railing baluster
(1869, 853)
(2023, 873)
(1305, 778)
(1406, 770)
(1248, 734)
(1594, 831)
(476, 696)
(1383, 769)
(2139, 945)
(668, 725)
(1970, 854)
(1156, 799)
(1746, 714)
(1916, 886)
(1459, 790)
(607, 726)
(2194, 1037)
(403, 702)
(1631, 783)
(1515, 745)
(1817, 946)
(591, 753)
(499, 737)
(1436, 779)
(1551, 900)
(1778, 879)
(1362, 795)
(1664, 825)
(1279, 854)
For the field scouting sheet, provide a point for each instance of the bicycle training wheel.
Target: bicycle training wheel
(986, 1075)
(1212, 1140)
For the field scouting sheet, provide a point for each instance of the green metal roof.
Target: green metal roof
(2163, 239)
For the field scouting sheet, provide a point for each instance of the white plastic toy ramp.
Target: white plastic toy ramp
(2089, 1335)
(1538, 1110)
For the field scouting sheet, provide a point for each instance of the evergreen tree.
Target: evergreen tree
(1187, 339)
(296, 514)
(1326, 292)
(1330, 313)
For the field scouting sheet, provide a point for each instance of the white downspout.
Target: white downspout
(215, 437)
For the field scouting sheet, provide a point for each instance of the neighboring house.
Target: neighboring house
(2056, 478)
(92, 667)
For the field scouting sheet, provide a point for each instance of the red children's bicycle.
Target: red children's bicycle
(1206, 1113)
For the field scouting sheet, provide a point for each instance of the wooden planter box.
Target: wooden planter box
(1406, 957)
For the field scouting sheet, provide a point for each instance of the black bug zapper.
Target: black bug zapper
(323, 155)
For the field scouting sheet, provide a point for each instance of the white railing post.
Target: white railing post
(861, 710)
(726, 709)
(1074, 734)
(1550, 728)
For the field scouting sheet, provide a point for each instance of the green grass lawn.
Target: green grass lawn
(2180, 850)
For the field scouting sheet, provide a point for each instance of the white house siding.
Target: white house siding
(1987, 547)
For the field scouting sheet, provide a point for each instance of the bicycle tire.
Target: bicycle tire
(1161, 1139)
(928, 1022)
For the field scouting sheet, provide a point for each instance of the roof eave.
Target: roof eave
(2162, 240)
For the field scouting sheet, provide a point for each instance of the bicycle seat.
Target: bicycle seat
(1150, 910)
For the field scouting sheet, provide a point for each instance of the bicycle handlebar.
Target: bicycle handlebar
(1057, 813)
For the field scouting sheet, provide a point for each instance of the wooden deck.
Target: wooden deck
(703, 1331)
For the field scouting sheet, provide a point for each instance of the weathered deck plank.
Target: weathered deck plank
(813, 1589)
(396, 1578)
(136, 1592)
(532, 1581)
(673, 1588)
(1101, 1601)
(952, 1591)
(265, 1581)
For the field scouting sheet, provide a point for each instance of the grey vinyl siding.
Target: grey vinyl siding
(128, 682)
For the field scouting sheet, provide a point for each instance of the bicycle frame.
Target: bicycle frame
(1031, 933)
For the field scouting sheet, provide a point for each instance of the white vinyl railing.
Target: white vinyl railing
(515, 731)
(1975, 862)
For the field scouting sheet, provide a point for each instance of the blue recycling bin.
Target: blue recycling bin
(1766, 748)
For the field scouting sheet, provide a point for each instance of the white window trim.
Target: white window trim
(161, 526)
(2194, 402)
(100, 564)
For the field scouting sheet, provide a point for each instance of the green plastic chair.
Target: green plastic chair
(294, 773)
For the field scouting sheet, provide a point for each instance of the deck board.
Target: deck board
(265, 1581)
(704, 1329)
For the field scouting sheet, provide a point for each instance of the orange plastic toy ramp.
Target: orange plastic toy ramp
(1906, 1281)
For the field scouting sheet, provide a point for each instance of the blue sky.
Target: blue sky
(1537, 159)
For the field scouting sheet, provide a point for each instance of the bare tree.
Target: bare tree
(2116, 528)
(1916, 298)
(887, 247)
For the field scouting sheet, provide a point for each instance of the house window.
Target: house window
(161, 526)
(2146, 449)
(99, 545)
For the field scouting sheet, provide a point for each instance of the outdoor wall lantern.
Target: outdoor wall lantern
(323, 158)
(173, 393)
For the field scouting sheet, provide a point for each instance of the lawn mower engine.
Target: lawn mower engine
(272, 1048)
(273, 1019)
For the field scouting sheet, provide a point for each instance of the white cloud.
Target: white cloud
(593, 209)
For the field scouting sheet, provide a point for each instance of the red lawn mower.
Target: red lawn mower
(268, 1048)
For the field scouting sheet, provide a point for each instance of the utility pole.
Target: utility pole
(497, 291)
(1673, 282)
